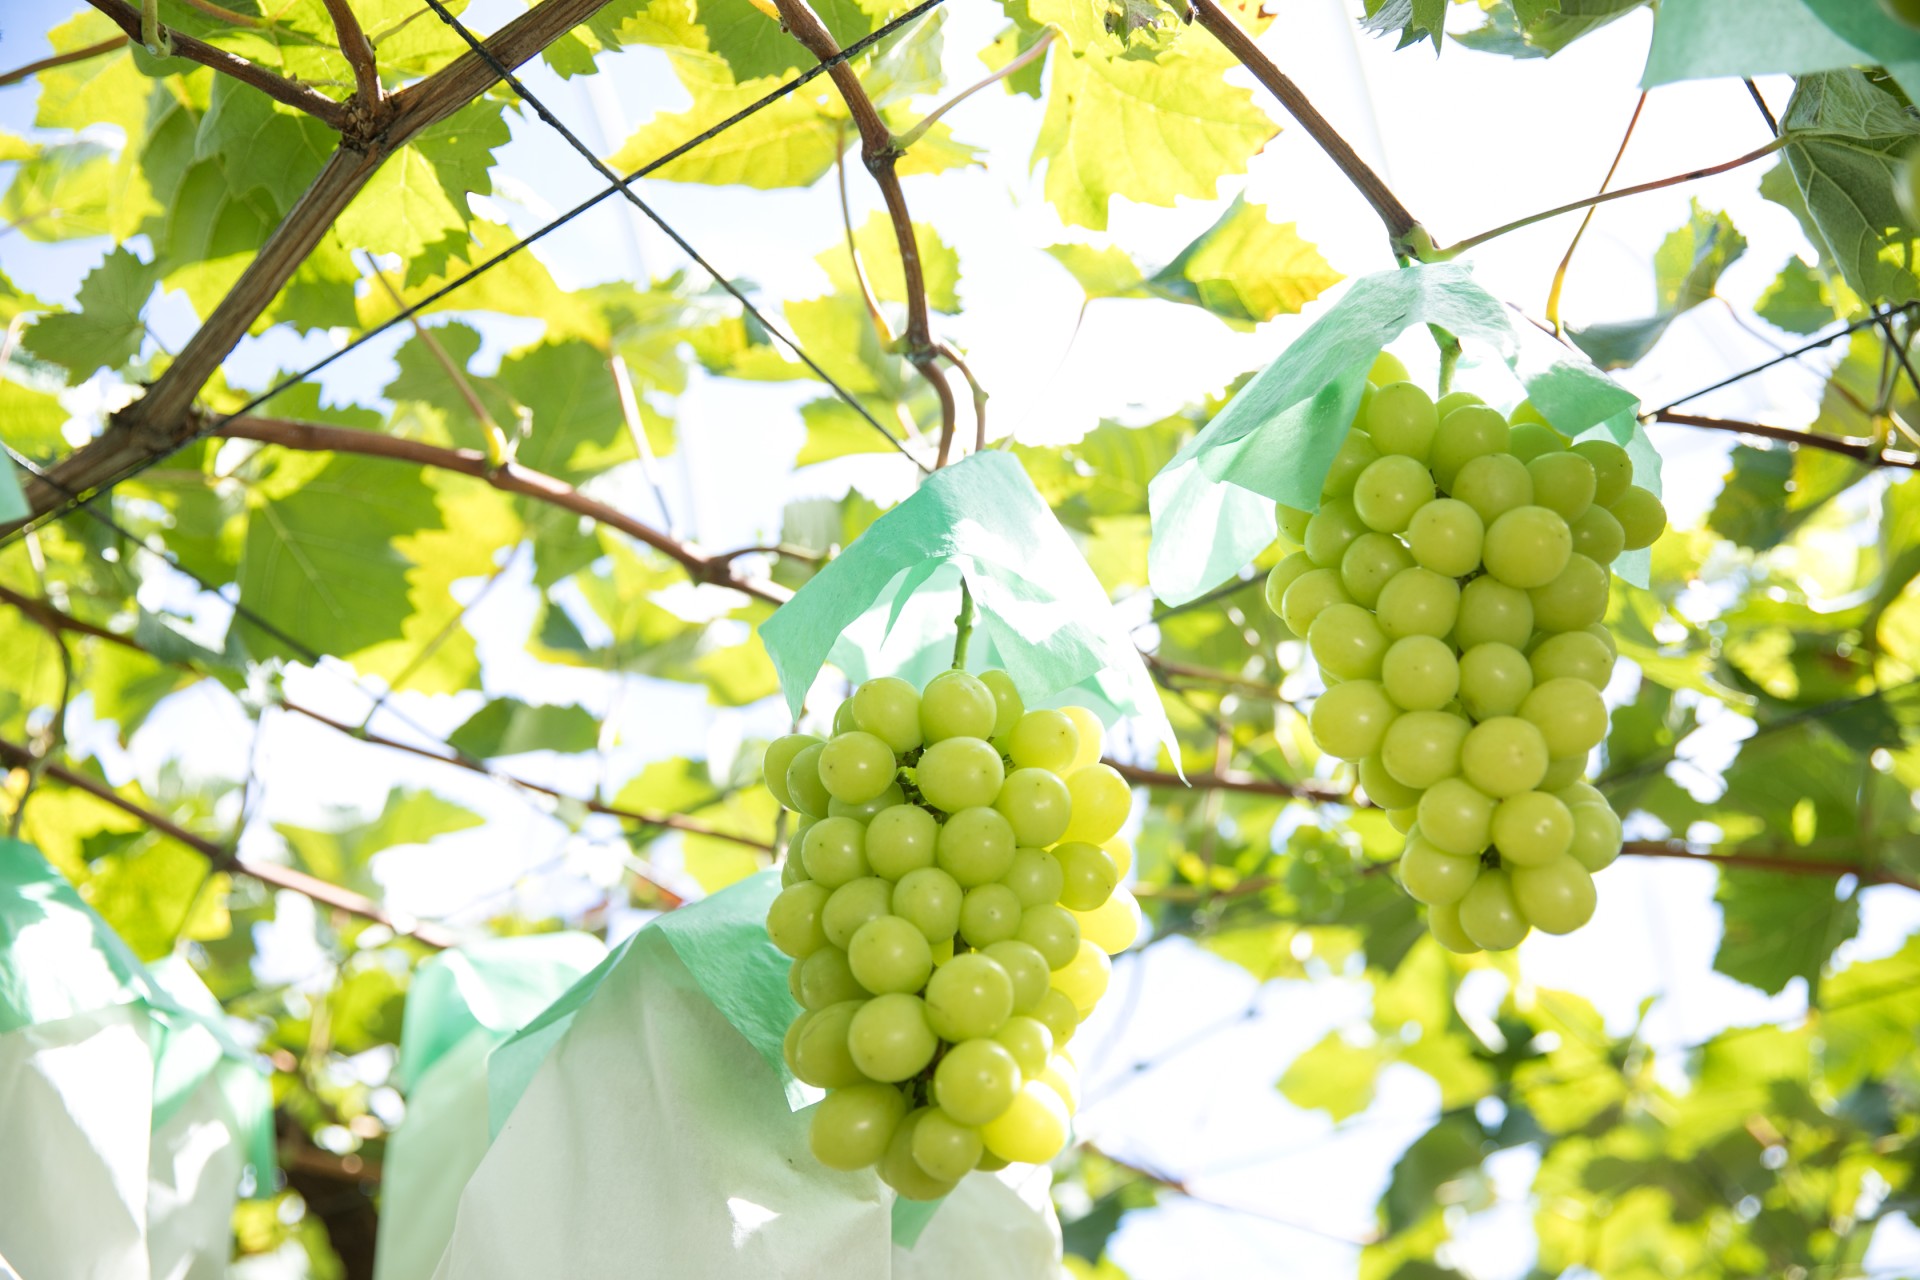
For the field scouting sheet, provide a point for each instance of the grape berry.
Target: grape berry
(950, 897)
(1452, 588)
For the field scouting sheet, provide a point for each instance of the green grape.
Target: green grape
(1530, 440)
(899, 1169)
(1596, 835)
(1489, 915)
(1527, 411)
(1575, 794)
(852, 905)
(1470, 432)
(1420, 673)
(1053, 932)
(1346, 641)
(890, 955)
(792, 871)
(1356, 454)
(1556, 896)
(1036, 804)
(1386, 368)
(1389, 491)
(1292, 522)
(1092, 739)
(1577, 655)
(856, 767)
(989, 913)
(889, 708)
(1494, 680)
(1503, 757)
(1401, 419)
(1491, 612)
(901, 839)
(1029, 1041)
(889, 1038)
(1605, 637)
(976, 846)
(960, 773)
(945, 1149)
(1331, 531)
(835, 851)
(1057, 1014)
(1433, 877)
(1043, 740)
(1282, 576)
(793, 921)
(826, 978)
(780, 754)
(1035, 877)
(1084, 978)
(1563, 481)
(1531, 829)
(1423, 747)
(1528, 547)
(1403, 820)
(1453, 400)
(970, 995)
(1008, 707)
(956, 705)
(1026, 969)
(1101, 802)
(1574, 600)
(1383, 788)
(1598, 536)
(1456, 818)
(790, 1043)
(1350, 720)
(1493, 485)
(1446, 536)
(1642, 518)
(1569, 714)
(867, 810)
(1612, 469)
(1114, 924)
(852, 1126)
(1308, 595)
(1444, 923)
(1088, 875)
(1033, 1128)
(843, 718)
(976, 1081)
(929, 899)
(805, 792)
(1418, 602)
(1562, 770)
(1372, 561)
(823, 1056)
(793, 979)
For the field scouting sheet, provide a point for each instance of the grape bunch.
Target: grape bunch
(1452, 588)
(951, 895)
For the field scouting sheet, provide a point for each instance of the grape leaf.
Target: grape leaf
(62, 193)
(788, 144)
(510, 727)
(1802, 300)
(1780, 927)
(107, 330)
(1150, 131)
(1770, 493)
(1686, 267)
(755, 44)
(880, 259)
(415, 205)
(1846, 139)
(33, 418)
(108, 89)
(1333, 1076)
(342, 851)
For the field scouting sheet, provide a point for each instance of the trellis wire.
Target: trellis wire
(617, 185)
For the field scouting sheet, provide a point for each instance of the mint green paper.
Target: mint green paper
(1704, 39)
(883, 604)
(13, 503)
(1212, 504)
(497, 985)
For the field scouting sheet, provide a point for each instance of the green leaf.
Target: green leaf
(880, 259)
(510, 727)
(63, 193)
(1802, 300)
(1770, 493)
(107, 330)
(260, 145)
(1847, 138)
(834, 430)
(1334, 1076)
(519, 286)
(33, 419)
(1150, 131)
(1042, 615)
(158, 896)
(756, 45)
(107, 90)
(1444, 1153)
(415, 205)
(1687, 266)
(343, 851)
(788, 144)
(1780, 927)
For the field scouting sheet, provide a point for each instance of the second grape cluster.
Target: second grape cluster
(952, 893)
(1452, 587)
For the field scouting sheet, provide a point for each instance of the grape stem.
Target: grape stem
(962, 627)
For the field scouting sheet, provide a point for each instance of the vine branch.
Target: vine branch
(331, 895)
(1399, 222)
(358, 51)
(881, 154)
(81, 54)
(1867, 452)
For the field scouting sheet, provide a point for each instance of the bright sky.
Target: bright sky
(1469, 142)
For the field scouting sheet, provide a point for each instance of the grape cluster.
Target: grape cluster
(952, 893)
(1452, 588)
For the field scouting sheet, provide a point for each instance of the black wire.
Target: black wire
(1876, 318)
(573, 140)
(618, 186)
